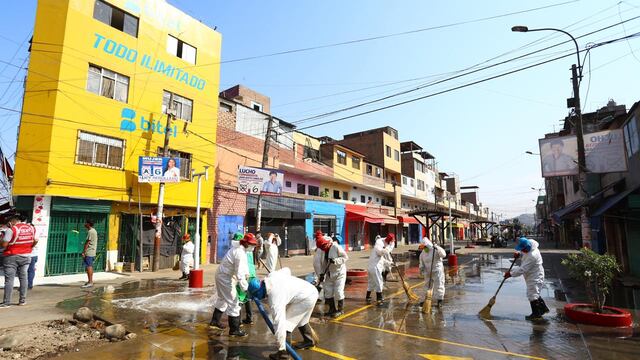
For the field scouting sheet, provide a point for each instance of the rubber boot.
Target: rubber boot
(248, 319)
(367, 299)
(544, 309)
(215, 320)
(384, 275)
(339, 309)
(307, 339)
(184, 276)
(280, 355)
(379, 298)
(535, 311)
(439, 303)
(332, 307)
(234, 327)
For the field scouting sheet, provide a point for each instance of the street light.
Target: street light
(196, 256)
(531, 153)
(576, 72)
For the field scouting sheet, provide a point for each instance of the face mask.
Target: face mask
(250, 248)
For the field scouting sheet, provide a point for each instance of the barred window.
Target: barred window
(185, 162)
(182, 105)
(108, 83)
(98, 150)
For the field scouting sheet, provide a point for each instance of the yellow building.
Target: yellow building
(101, 74)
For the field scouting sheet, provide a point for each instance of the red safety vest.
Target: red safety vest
(21, 242)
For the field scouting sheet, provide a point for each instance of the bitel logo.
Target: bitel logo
(127, 123)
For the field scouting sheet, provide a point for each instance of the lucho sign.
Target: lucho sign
(259, 181)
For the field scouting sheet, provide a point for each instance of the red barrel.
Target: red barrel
(453, 260)
(196, 278)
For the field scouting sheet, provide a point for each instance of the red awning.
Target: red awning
(369, 216)
(408, 220)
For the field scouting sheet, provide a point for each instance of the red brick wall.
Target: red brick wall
(226, 202)
(244, 95)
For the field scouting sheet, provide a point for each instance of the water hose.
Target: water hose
(290, 349)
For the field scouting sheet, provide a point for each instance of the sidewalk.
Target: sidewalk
(42, 300)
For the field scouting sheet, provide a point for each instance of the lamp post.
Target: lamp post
(195, 279)
(576, 75)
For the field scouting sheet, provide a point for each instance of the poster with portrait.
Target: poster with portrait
(559, 156)
(604, 151)
(260, 181)
(156, 169)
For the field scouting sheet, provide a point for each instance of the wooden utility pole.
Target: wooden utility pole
(265, 161)
(165, 152)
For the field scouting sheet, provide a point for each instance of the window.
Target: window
(336, 194)
(224, 107)
(412, 183)
(631, 137)
(100, 150)
(419, 166)
(342, 157)
(362, 199)
(181, 49)
(378, 172)
(404, 180)
(377, 200)
(182, 105)
(396, 155)
(345, 195)
(108, 83)
(420, 185)
(185, 162)
(355, 162)
(388, 150)
(287, 184)
(116, 18)
(310, 153)
(314, 190)
(256, 106)
(370, 199)
(369, 170)
(302, 189)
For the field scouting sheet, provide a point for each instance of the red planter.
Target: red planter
(619, 318)
(357, 275)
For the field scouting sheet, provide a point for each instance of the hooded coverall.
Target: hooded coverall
(532, 270)
(378, 261)
(336, 274)
(186, 257)
(291, 301)
(271, 250)
(233, 270)
(426, 257)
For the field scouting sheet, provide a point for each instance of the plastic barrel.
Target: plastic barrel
(453, 260)
(196, 278)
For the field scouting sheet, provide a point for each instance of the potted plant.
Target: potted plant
(597, 273)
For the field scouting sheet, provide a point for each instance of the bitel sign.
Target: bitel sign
(153, 169)
(259, 181)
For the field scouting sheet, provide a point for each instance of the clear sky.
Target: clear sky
(480, 132)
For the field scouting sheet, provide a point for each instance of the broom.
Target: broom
(426, 305)
(486, 311)
(407, 290)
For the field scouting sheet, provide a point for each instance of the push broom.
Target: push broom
(426, 305)
(486, 311)
(407, 290)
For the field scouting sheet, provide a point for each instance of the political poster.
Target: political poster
(259, 181)
(604, 151)
(156, 169)
(559, 156)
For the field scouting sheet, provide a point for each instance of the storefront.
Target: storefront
(364, 224)
(327, 217)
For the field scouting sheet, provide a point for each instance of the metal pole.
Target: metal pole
(450, 229)
(165, 152)
(140, 255)
(196, 257)
(265, 161)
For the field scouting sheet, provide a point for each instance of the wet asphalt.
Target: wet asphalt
(171, 322)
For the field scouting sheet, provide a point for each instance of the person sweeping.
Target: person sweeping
(533, 271)
(378, 262)
(433, 270)
(329, 263)
(271, 249)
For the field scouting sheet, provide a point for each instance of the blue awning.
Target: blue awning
(611, 201)
(560, 214)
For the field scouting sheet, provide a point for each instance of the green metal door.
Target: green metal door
(67, 235)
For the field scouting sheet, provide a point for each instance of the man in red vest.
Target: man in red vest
(18, 242)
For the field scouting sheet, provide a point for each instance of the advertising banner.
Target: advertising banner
(155, 169)
(40, 220)
(604, 151)
(559, 156)
(259, 181)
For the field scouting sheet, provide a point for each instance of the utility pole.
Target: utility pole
(165, 152)
(205, 173)
(265, 161)
(395, 205)
(582, 163)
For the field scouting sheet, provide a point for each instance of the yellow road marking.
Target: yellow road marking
(332, 354)
(441, 341)
(351, 313)
(443, 357)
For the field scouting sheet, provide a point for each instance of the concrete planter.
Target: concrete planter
(582, 313)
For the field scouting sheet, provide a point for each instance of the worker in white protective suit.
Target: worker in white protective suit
(533, 271)
(291, 301)
(329, 263)
(379, 260)
(431, 258)
(232, 271)
(271, 250)
(186, 257)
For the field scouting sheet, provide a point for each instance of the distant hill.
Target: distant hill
(526, 219)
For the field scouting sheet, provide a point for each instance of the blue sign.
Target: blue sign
(155, 169)
(128, 124)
